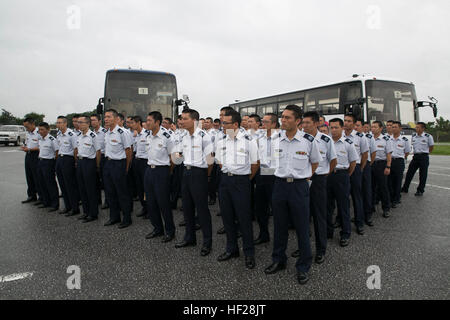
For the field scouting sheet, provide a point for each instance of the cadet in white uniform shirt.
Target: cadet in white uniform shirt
(338, 184)
(297, 156)
(265, 178)
(48, 151)
(381, 168)
(100, 132)
(31, 149)
(318, 189)
(197, 152)
(157, 175)
(237, 155)
(65, 168)
(362, 148)
(423, 144)
(118, 160)
(88, 163)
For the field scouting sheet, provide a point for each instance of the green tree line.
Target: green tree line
(439, 129)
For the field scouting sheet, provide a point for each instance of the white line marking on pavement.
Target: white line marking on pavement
(439, 174)
(13, 151)
(16, 276)
(447, 168)
(433, 186)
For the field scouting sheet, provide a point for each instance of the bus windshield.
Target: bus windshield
(138, 93)
(388, 100)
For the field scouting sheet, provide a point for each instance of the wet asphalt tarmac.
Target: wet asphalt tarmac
(412, 250)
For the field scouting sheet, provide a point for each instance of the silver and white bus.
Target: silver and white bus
(369, 98)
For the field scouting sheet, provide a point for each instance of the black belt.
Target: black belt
(421, 154)
(192, 168)
(380, 161)
(398, 159)
(34, 151)
(64, 155)
(108, 158)
(46, 159)
(143, 159)
(155, 167)
(340, 171)
(85, 158)
(290, 180)
(229, 174)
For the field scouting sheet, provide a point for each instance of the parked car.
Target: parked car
(12, 134)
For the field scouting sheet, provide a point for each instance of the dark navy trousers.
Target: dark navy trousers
(291, 200)
(396, 178)
(356, 193)
(420, 161)
(234, 201)
(87, 182)
(263, 205)
(31, 164)
(67, 179)
(139, 168)
(157, 191)
(47, 183)
(318, 205)
(194, 192)
(380, 185)
(367, 191)
(338, 191)
(116, 189)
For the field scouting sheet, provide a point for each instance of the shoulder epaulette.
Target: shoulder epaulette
(405, 138)
(387, 138)
(78, 133)
(51, 138)
(368, 135)
(120, 131)
(349, 141)
(92, 135)
(427, 135)
(104, 130)
(359, 134)
(248, 137)
(70, 134)
(202, 133)
(309, 137)
(325, 138)
(414, 135)
(165, 134)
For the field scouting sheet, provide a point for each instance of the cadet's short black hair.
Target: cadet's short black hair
(423, 124)
(121, 116)
(63, 118)
(45, 125)
(96, 116)
(390, 121)
(313, 115)
(216, 120)
(256, 117)
(113, 111)
(341, 123)
(168, 120)
(75, 116)
(193, 114)
(210, 119)
(29, 120)
(86, 118)
(351, 116)
(226, 109)
(157, 116)
(296, 110)
(137, 119)
(379, 123)
(235, 116)
(398, 123)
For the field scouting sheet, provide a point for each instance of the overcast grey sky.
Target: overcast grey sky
(219, 50)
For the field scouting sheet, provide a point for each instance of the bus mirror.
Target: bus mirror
(433, 105)
(100, 106)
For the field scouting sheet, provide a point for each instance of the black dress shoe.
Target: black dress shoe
(73, 213)
(182, 224)
(105, 206)
(221, 230)
(418, 194)
(260, 241)
(227, 256)
(184, 244)
(38, 203)
(111, 222)
(295, 254)
(124, 225)
(386, 214)
(89, 219)
(369, 223)
(205, 251)
(29, 200)
(219, 214)
(250, 262)
(154, 234)
(360, 230)
(344, 242)
(64, 211)
(83, 217)
(142, 214)
(52, 209)
(275, 267)
(42, 206)
(319, 259)
(302, 277)
(167, 238)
